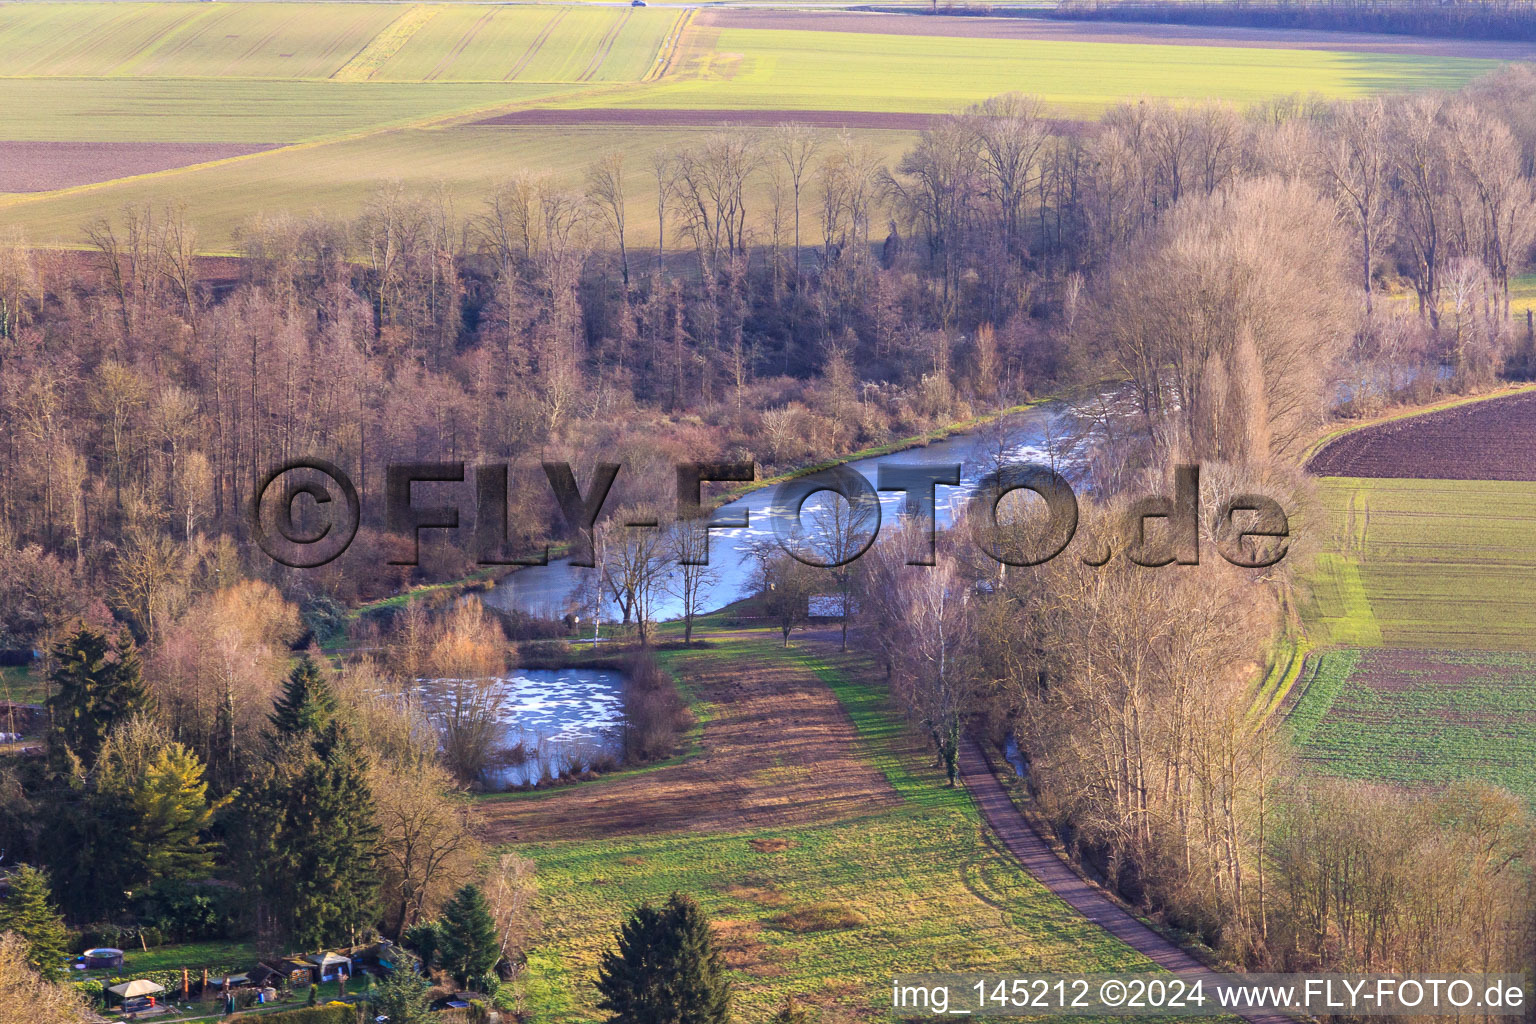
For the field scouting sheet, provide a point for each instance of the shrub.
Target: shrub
(654, 714)
(185, 912)
(324, 618)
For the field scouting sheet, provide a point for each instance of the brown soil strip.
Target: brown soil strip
(1112, 32)
(779, 751)
(1490, 440)
(43, 166)
(1041, 861)
(708, 118)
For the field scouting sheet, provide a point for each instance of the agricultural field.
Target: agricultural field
(1421, 600)
(830, 854)
(1431, 564)
(300, 104)
(340, 178)
(343, 41)
(1413, 716)
(228, 110)
(1489, 440)
(766, 68)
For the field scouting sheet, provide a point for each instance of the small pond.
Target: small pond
(563, 719)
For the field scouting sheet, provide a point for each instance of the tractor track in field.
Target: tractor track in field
(463, 44)
(535, 46)
(605, 47)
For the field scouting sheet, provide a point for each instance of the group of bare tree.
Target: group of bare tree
(1133, 697)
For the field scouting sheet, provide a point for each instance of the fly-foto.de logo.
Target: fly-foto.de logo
(306, 513)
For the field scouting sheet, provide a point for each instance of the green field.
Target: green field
(351, 41)
(770, 69)
(366, 87)
(1412, 717)
(921, 884)
(215, 110)
(1422, 601)
(339, 178)
(1438, 564)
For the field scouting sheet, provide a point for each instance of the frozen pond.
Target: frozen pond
(1047, 435)
(561, 717)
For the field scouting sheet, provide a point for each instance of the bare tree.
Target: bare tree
(633, 560)
(692, 579)
(795, 146)
(1355, 162)
(605, 187)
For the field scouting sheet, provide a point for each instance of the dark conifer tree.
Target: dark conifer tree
(307, 704)
(469, 946)
(665, 969)
(314, 859)
(96, 684)
(28, 911)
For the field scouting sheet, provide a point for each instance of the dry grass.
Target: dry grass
(772, 845)
(761, 711)
(819, 917)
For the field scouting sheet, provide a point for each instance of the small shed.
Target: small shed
(331, 965)
(263, 975)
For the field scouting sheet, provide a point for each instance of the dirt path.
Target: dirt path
(1041, 861)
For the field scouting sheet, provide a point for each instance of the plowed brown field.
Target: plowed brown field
(1488, 440)
(44, 166)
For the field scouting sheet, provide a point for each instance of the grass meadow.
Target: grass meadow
(826, 911)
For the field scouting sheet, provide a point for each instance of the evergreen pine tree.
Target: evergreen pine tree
(402, 996)
(307, 704)
(665, 969)
(469, 946)
(97, 683)
(28, 911)
(171, 815)
(318, 869)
